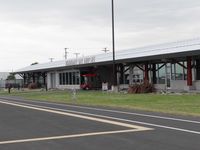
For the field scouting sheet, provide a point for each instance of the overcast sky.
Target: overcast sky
(36, 30)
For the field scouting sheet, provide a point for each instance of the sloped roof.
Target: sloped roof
(143, 52)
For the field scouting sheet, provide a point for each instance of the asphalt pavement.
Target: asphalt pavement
(39, 125)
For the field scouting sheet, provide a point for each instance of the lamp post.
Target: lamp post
(113, 45)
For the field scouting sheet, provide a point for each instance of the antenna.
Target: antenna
(66, 52)
(51, 59)
(105, 50)
(76, 56)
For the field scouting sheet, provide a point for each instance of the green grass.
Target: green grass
(187, 104)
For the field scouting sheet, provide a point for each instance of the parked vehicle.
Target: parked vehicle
(89, 81)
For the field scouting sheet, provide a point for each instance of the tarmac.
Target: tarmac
(38, 125)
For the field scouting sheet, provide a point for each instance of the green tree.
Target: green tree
(11, 76)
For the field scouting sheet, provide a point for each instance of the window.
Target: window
(178, 71)
(161, 73)
(60, 78)
(69, 78)
(64, 81)
(138, 75)
(73, 78)
(77, 76)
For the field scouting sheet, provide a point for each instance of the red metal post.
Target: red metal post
(189, 71)
(146, 72)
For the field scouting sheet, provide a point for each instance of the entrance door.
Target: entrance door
(53, 81)
(168, 75)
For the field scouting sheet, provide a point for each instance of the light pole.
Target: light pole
(113, 44)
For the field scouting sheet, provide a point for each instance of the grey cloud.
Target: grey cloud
(39, 29)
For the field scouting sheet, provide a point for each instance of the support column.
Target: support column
(131, 75)
(24, 77)
(121, 74)
(198, 69)
(189, 71)
(146, 73)
(33, 75)
(38, 77)
(29, 78)
(154, 74)
(44, 80)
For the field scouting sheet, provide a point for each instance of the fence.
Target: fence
(13, 83)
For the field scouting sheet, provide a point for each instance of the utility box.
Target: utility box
(105, 86)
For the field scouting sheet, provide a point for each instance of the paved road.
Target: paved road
(37, 125)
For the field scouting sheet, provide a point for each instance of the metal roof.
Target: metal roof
(143, 52)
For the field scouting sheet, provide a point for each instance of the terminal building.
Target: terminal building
(171, 66)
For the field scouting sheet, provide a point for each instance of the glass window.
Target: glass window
(126, 75)
(161, 74)
(179, 72)
(185, 71)
(60, 78)
(67, 78)
(137, 75)
(63, 76)
(77, 78)
(74, 78)
(70, 78)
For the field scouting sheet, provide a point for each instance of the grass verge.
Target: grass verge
(186, 104)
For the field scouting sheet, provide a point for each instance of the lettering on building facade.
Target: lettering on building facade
(83, 60)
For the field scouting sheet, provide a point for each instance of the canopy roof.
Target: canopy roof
(176, 49)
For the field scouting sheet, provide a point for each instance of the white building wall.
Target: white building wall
(48, 80)
(197, 85)
(123, 86)
(57, 83)
(2, 83)
(160, 87)
(57, 80)
(178, 85)
(77, 87)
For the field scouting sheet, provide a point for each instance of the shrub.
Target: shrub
(145, 87)
(12, 85)
(32, 86)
